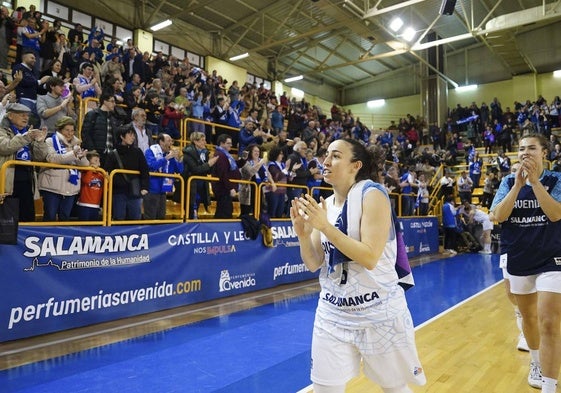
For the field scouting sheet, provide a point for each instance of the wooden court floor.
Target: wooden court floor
(471, 349)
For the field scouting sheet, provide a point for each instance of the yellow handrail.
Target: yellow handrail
(211, 179)
(49, 165)
(110, 220)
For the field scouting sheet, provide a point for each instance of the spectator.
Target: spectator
(449, 223)
(254, 169)
(76, 35)
(153, 107)
(91, 190)
(135, 81)
(47, 45)
(279, 175)
(220, 112)
(30, 41)
(19, 142)
(60, 187)
(490, 187)
(171, 120)
(249, 134)
(7, 27)
(406, 184)
(127, 197)
(55, 70)
(489, 139)
(133, 99)
(475, 167)
(234, 91)
(422, 195)
(197, 162)
(226, 169)
(316, 180)
(277, 119)
(160, 157)
(100, 127)
(86, 84)
(447, 183)
(95, 51)
(27, 88)
(145, 132)
(309, 132)
(391, 182)
(53, 106)
(299, 171)
(503, 161)
(197, 112)
(465, 186)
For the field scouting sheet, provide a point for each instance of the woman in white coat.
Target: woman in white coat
(60, 187)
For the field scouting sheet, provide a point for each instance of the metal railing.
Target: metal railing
(109, 205)
(10, 163)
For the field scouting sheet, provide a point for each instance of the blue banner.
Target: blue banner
(58, 278)
(420, 235)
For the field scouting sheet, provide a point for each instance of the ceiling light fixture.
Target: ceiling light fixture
(376, 103)
(239, 57)
(396, 24)
(461, 89)
(409, 34)
(161, 25)
(557, 74)
(294, 78)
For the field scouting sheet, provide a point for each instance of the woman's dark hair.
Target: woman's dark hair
(360, 153)
(274, 153)
(250, 148)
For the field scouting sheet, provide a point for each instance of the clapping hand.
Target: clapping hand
(37, 135)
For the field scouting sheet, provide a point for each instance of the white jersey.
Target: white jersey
(368, 295)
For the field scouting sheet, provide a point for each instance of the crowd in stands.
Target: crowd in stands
(142, 98)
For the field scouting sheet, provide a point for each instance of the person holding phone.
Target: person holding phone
(52, 106)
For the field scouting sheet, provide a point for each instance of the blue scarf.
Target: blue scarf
(260, 175)
(61, 149)
(335, 256)
(24, 153)
(167, 182)
(233, 165)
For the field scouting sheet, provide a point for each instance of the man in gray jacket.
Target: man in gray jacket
(52, 106)
(19, 142)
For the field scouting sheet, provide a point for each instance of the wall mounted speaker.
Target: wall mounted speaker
(447, 7)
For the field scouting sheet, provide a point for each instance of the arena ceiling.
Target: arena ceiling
(342, 43)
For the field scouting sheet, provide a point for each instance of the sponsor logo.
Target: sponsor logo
(215, 250)
(424, 247)
(62, 246)
(67, 253)
(229, 283)
(288, 269)
(351, 301)
(284, 236)
(197, 238)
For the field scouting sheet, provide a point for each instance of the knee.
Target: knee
(549, 325)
